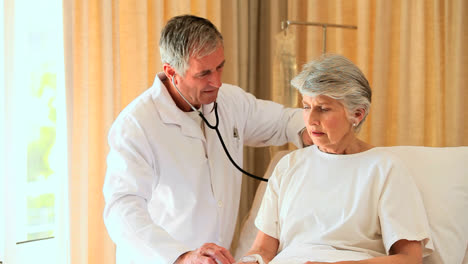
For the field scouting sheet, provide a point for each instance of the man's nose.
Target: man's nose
(215, 80)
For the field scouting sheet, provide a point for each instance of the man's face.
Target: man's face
(202, 79)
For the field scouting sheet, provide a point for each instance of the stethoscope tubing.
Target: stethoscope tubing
(215, 127)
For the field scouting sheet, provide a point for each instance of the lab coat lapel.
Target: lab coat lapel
(171, 114)
(218, 158)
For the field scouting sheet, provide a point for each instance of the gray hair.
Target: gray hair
(337, 77)
(185, 36)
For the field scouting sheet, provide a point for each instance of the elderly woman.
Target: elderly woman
(342, 199)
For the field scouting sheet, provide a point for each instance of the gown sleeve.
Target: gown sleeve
(401, 211)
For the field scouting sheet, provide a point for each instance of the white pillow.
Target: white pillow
(441, 175)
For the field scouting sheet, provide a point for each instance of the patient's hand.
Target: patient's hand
(209, 253)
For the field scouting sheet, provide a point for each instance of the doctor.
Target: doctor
(171, 193)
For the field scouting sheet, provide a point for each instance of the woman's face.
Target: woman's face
(327, 123)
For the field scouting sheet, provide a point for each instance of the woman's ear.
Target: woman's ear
(359, 115)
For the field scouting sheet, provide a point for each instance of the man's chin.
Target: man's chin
(210, 99)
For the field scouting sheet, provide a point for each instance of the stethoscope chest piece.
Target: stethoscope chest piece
(215, 127)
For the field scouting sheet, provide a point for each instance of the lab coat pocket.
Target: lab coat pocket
(236, 144)
(169, 203)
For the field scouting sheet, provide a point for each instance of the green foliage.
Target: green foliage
(38, 153)
(39, 235)
(42, 201)
(47, 80)
(41, 209)
(39, 150)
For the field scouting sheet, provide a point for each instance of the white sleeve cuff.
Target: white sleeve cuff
(252, 258)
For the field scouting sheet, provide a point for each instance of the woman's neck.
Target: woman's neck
(354, 146)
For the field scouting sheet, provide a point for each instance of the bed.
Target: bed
(441, 175)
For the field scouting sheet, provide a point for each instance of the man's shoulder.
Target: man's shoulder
(141, 108)
(228, 89)
(145, 101)
(139, 105)
(229, 93)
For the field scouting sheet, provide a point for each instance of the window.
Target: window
(33, 149)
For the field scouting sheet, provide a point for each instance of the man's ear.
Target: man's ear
(168, 70)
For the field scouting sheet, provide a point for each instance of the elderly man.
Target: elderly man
(172, 195)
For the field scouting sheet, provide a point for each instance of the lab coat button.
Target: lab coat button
(220, 204)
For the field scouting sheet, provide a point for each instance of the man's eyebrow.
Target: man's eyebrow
(221, 64)
(205, 72)
(202, 73)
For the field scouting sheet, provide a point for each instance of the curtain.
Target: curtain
(112, 56)
(411, 51)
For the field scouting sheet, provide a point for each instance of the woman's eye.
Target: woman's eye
(305, 107)
(324, 109)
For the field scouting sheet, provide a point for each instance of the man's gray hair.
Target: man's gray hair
(185, 36)
(337, 77)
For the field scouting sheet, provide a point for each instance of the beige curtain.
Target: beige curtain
(412, 52)
(414, 55)
(111, 57)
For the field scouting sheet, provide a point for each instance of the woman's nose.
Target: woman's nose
(312, 118)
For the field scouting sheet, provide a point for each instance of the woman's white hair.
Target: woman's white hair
(185, 36)
(337, 77)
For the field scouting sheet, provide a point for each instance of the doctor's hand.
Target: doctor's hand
(306, 139)
(209, 253)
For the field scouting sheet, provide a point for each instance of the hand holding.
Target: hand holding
(306, 139)
(209, 253)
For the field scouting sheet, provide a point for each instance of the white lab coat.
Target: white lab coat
(169, 188)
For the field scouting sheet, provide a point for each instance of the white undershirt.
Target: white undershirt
(195, 116)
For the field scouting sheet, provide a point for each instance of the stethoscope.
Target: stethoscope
(215, 127)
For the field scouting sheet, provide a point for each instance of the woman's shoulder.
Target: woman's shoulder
(295, 160)
(385, 154)
(298, 155)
